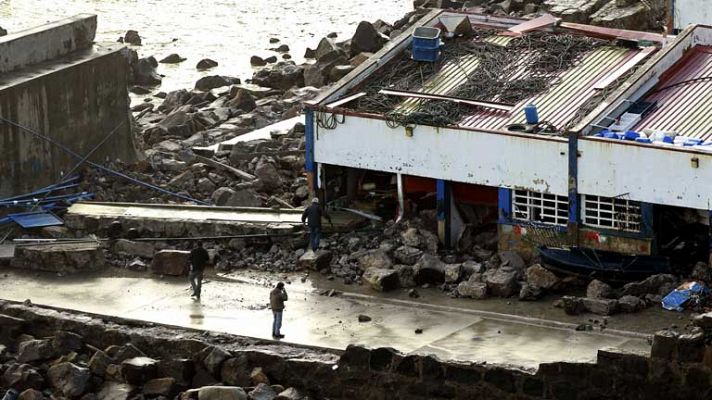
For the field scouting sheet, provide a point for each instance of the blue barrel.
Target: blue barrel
(531, 113)
(631, 135)
(668, 139)
(643, 140)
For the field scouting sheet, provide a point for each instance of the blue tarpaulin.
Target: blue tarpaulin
(678, 298)
(36, 219)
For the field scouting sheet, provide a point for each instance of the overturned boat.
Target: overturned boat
(603, 265)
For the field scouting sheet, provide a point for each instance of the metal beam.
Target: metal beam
(477, 103)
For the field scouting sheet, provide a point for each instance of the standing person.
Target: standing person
(312, 217)
(277, 297)
(198, 258)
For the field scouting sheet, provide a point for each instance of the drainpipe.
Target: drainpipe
(310, 166)
(443, 211)
(401, 198)
(573, 223)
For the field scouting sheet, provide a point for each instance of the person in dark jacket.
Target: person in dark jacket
(277, 297)
(312, 217)
(198, 258)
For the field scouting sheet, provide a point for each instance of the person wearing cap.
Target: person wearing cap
(312, 217)
(277, 297)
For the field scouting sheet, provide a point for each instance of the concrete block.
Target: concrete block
(664, 345)
(47, 42)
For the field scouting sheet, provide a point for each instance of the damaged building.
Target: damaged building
(557, 133)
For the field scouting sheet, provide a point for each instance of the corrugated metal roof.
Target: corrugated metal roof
(684, 100)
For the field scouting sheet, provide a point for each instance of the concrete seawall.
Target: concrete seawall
(75, 99)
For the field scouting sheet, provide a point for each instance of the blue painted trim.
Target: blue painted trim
(309, 140)
(504, 200)
(573, 179)
(441, 197)
(710, 218)
(646, 220)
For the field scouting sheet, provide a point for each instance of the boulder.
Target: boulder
(511, 260)
(572, 305)
(702, 272)
(407, 255)
(268, 175)
(172, 59)
(381, 279)
(262, 392)
(290, 394)
(228, 197)
(3, 31)
(651, 285)
(406, 276)
(214, 359)
(180, 369)
(132, 37)
(115, 391)
(242, 100)
(327, 48)
(31, 394)
(340, 71)
(271, 59)
(69, 379)
(35, 350)
(601, 306)
(376, 258)
(453, 273)
(174, 99)
(410, 237)
(144, 72)
(367, 39)
(630, 304)
(171, 262)
(22, 377)
(316, 261)
(429, 269)
(134, 249)
(257, 61)
(258, 376)
(139, 370)
(206, 63)
(219, 393)
(65, 342)
(235, 371)
(282, 76)
(214, 81)
(99, 362)
(161, 387)
(501, 282)
(599, 290)
(313, 76)
(540, 277)
(475, 290)
(121, 353)
(530, 292)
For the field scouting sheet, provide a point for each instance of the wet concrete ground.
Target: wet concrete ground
(492, 331)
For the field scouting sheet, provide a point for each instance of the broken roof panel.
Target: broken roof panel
(684, 97)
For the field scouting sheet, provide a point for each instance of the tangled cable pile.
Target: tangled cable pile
(523, 68)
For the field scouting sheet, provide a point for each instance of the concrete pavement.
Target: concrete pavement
(241, 308)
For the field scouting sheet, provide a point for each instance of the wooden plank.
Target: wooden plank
(486, 104)
(345, 100)
(534, 24)
(237, 172)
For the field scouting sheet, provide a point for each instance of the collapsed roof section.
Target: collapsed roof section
(486, 77)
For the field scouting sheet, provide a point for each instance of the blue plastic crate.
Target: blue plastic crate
(425, 54)
(426, 37)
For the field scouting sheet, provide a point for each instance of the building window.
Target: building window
(611, 213)
(540, 207)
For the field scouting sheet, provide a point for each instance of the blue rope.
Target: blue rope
(101, 167)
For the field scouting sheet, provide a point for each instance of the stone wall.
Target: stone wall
(678, 369)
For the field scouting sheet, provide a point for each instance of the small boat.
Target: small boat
(604, 265)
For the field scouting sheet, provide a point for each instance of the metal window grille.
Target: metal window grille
(540, 207)
(611, 213)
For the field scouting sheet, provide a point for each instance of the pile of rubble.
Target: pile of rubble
(647, 15)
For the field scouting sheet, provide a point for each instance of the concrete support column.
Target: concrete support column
(574, 217)
(401, 197)
(443, 211)
(310, 165)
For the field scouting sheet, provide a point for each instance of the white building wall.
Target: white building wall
(689, 12)
(490, 159)
(646, 173)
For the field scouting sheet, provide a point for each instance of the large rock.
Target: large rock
(35, 350)
(65, 342)
(31, 394)
(214, 359)
(132, 37)
(381, 279)
(407, 255)
(410, 237)
(214, 81)
(327, 48)
(172, 59)
(171, 262)
(367, 39)
(375, 258)
(511, 260)
(268, 175)
(22, 377)
(115, 391)
(134, 249)
(475, 290)
(599, 290)
(572, 305)
(501, 281)
(651, 285)
(99, 362)
(340, 71)
(144, 72)
(530, 292)
(317, 261)
(429, 269)
(453, 273)
(243, 100)
(180, 369)
(228, 197)
(290, 394)
(161, 387)
(71, 380)
(235, 371)
(220, 393)
(406, 276)
(263, 392)
(540, 277)
(630, 304)
(283, 75)
(601, 306)
(139, 370)
(702, 272)
(206, 63)
(313, 76)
